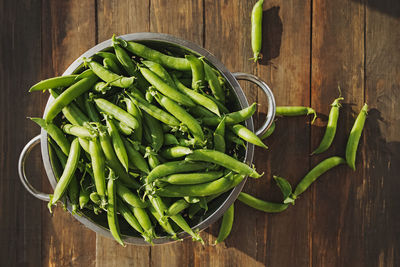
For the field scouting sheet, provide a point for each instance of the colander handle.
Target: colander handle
(270, 96)
(21, 170)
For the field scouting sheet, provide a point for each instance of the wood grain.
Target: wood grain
(337, 60)
(67, 32)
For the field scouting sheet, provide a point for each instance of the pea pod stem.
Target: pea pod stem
(354, 137)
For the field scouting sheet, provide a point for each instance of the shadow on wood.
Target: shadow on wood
(272, 35)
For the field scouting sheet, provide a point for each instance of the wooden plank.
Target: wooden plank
(67, 32)
(121, 17)
(378, 199)
(183, 19)
(286, 68)
(337, 59)
(20, 52)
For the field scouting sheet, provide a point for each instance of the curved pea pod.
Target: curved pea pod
(175, 167)
(98, 165)
(197, 190)
(184, 117)
(177, 207)
(224, 160)
(219, 137)
(316, 172)
(144, 221)
(109, 55)
(197, 71)
(123, 128)
(101, 87)
(269, 132)
(258, 204)
(79, 131)
(55, 133)
(68, 173)
(155, 130)
(71, 112)
(160, 71)
(166, 89)
(135, 158)
(291, 111)
(248, 135)
(354, 137)
(181, 222)
(152, 110)
(55, 82)
(84, 144)
(197, 97)
(226, 225)
(232, 118)
(112, 216)
(109, 76)
(192, 178)
(156, 56)
(130, 197)
(135, 112)
(68, 96)
(117, 143)
(176, 152)
(109, 64)
(117, 113)
(213, 82)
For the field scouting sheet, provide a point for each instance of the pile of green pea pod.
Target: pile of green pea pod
(145, 136)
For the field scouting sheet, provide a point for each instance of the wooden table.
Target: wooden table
(310, 48)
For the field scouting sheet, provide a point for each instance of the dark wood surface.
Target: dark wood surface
(309, 49)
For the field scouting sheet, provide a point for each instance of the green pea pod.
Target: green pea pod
(112, 160)
(354, 137)
(197, 97)
(166, 89)
(91, 110)
(156, 131)
(109, 76)
(68, 172)
(158, 57)
(256, 29)
(68, 96)
(213, 82)
(192, 178)
(197, 71)
(231, 137)
(219, 137)
(144, 221)
(226, 225)
(290, 111)
(131, 219)
(268, 133)
(111, 56)
(224, 160)
(123, 128)
(124, 58)
(84, 144)
(83, 198)
(285, 188)
(84, 74)
(194, 209)
(221, 106)
(117, 143)
(170, 139)
(160, 71)
(129, 197)
(79, 131)
(261, 205)
(201, 112)
(152, 110)
(117, 113)
(232, 118)
(112, 216)
(197, 190)
(101, 87)
(135, 112)
(176, 152)
(183, 116)
(56, 82)
(109, 64)
(248, 135)
(173, 167)
(316, 172)
(163, 223)
(177, 207)
(55, 133)
(180, 221)
(98, 165)
(72, 112)
(135, 158)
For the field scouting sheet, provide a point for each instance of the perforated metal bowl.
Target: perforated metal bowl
(158, 41)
